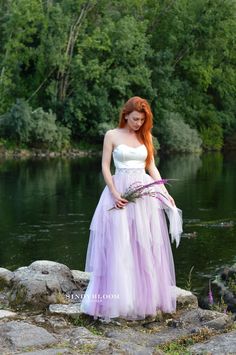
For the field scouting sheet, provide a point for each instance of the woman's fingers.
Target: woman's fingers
(124, 200)
(121, 202)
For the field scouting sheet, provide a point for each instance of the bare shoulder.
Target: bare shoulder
(112, 132)
(111, 135)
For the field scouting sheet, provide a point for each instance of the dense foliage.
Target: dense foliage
(73, 63)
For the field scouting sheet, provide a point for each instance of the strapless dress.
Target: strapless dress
(129, 253)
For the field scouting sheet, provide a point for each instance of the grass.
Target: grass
(179, 347)
(60, 298)
(232, 285)
(86, 321)
(83, 145)
(80, 145)
(3, 306)
(220, 306)
(176, 349)
(189, 280)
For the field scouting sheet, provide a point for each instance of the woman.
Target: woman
(129, 253)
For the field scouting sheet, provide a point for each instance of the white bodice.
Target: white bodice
(126, 157)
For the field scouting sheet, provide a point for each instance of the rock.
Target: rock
(22, 268)
(57, 351)
(4, 303)
(88, 342)
(7, 314)
(145, 339)
(24, 153)
(218, 345)
(131, 348)
(72, 310)
(51, 154)
(5, 277)
(85, 340)
(206, 315)
(174, 323)
(40, 319)
(19, 335)
(185, 299)
(57, 323)
(220, 323)
(75, 296)
(45, 281)
(40, 284)
(198, 318)
(81, 277)
(190, 318)
(81, 280)
(53, 322)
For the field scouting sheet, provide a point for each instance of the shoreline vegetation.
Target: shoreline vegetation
(83, 150)
(46, 153)
(11, 150)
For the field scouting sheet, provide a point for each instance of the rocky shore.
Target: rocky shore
(40, 315)
(45, 153)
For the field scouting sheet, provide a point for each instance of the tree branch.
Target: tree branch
(42, 83)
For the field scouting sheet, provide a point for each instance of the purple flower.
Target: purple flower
(138, 190)
(210, 295)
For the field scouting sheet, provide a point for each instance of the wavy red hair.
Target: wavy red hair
(136, 103)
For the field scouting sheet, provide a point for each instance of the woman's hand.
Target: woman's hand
(172, 201)
(119, 201)
(154, 173)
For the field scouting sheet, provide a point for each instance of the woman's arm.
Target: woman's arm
(106, 162)
(154, 173)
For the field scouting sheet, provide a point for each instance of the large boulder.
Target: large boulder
(15, 335)
(5, 277)
(218, 345)
(40, 284)
(185, 299)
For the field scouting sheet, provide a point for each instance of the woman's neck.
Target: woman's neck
(129, 130)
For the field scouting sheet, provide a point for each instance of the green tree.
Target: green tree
(82, 59)
(36, 128)
(194, 55)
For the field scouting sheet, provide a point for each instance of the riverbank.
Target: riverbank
(18, 153)
(83, 149)
(40, 315)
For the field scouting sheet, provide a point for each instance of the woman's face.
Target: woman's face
(135, 120)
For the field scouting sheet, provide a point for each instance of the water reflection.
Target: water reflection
(46, 208)
(183, 167)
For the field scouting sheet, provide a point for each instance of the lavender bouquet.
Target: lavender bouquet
(138, 190)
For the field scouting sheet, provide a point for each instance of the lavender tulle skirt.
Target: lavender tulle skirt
(129, 255)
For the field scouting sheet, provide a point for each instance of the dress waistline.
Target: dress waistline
(129, 171)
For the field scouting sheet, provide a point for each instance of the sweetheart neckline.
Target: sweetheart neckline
(128, 146)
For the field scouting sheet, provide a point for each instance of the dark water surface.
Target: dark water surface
(46, 206)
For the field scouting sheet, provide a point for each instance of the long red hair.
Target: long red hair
(136, 103)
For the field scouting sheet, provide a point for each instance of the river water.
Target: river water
(46, 206)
